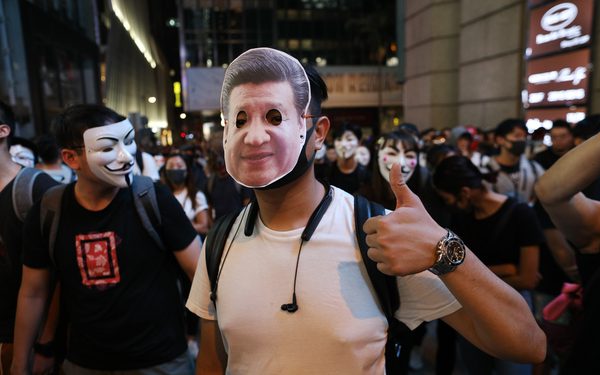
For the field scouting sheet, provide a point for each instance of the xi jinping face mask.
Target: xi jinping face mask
(110, 152)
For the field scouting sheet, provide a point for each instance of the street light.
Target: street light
(152, 99)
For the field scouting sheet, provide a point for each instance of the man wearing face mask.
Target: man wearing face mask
(347, 173)
(118, 285)
(516, 174)
(296, 244)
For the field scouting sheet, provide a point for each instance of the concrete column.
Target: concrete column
(431, 48)
(492, 40)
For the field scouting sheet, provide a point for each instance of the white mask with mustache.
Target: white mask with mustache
(346, 145)
(388, 156)
(110, 151)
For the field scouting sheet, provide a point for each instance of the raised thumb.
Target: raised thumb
(402, 192)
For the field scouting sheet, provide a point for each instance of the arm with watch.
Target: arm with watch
(494, 316)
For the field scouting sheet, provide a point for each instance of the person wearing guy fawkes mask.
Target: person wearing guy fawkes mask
(516, 174)
(347, 173)
(119, 287)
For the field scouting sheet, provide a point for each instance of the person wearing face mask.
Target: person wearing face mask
(296, 244)
(503, 233)
(347, 173)
(119, 286)
(181, 182)
(516, 174)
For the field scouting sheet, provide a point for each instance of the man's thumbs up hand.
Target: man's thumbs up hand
(404, 241)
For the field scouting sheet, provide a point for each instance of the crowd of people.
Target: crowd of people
(102, 268)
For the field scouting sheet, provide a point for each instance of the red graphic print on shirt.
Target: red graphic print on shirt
(97, 259)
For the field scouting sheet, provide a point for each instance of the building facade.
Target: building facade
(467, 62)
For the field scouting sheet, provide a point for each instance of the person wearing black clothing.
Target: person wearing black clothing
(560, 191)
(11, 230)
(119, 287)
(346, 173)
(562, 138)
(503, 233)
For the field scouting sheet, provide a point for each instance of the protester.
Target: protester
(502, 233)
(11, 238)
(118, 283)
(273, 126)
(576, 216)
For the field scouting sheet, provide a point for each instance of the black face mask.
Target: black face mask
(517, 148)
(176, 176)
(300, 168)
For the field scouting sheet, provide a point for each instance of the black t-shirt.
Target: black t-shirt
(349, 182)
(521, 229)
(11, 237)
(546, 158)
(225, 195)
(118, 287)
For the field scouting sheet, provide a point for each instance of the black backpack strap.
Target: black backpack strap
(385, 286)
(146, 205)
(214, 246)
(22, 193)
(50, 208)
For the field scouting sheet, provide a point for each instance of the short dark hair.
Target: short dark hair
(7, 117)
(560, 123)
(456, 172)
(48, 149)
(588, 127)
(347, 127)
(508, 125)
(318, 90)
(71, 123)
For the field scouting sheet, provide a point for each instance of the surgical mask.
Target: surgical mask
(110, 151)
(176, 176)
(517, 148)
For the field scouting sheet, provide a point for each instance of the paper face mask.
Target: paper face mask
(390, 155)
(346, 145)
(265, 126)
(110, 151)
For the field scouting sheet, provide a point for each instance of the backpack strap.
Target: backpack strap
(214, 246)
(50, 215)
(22, 193)
(146, 205)
(385, 286)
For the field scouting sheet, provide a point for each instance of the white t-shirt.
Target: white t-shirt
(338, 328)
(186, 203)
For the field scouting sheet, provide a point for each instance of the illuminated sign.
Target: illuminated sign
(558, 80)
(560, 25)
(537, 118)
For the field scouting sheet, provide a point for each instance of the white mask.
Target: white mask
(264, 133)
(388, 156)
(320, 153)
(363, 156)
(346, 145)
(110, 152)
(22, 156)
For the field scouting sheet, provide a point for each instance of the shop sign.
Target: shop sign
(559, 26)
(558, 80)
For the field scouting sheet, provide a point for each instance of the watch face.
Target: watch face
(455, 251)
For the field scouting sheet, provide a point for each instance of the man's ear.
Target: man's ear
(321, 129)
(71, 158)
(4, 131)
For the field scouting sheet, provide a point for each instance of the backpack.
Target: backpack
(385, 286)
(144, 199)
(22, 193)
